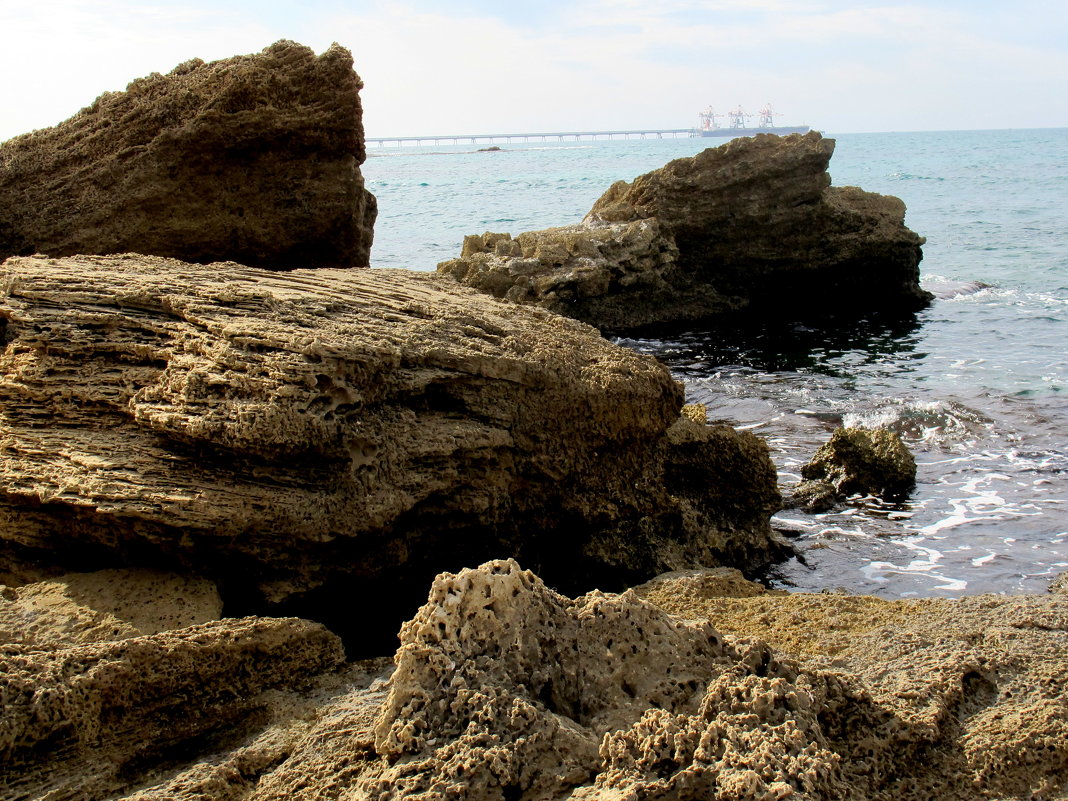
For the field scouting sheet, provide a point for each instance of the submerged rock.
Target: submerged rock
(752, 226)
(311, 436)
(254, 159)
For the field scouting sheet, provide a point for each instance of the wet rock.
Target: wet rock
(85, 721)
(1060, 584)
(857, 460)
(813, 496)
(253, 159)
(750, 227)
(330, 437)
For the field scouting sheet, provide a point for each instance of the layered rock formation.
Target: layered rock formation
(347, 431)
(752, 226)
(253, 159)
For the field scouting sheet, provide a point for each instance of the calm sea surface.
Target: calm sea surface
(977, 384)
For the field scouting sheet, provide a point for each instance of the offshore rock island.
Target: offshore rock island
(751, 227)
(231, 470)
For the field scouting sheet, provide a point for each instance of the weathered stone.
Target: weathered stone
(857, 460)
(348, 431)
(81, 608)
(83, 722)
(253, 159)
(752, 226)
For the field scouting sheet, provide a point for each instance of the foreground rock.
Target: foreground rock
(253, 159)
(329, 438)
(856, 460)
(504, 689)
(752, 226)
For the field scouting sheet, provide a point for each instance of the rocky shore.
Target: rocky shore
(232, 472)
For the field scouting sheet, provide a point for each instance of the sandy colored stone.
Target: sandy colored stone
(254, 159)
(347, 431)
(751, 227)
(86, 721)
(81, 608)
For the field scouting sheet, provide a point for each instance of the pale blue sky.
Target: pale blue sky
(474, 66)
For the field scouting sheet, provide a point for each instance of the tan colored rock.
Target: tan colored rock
(752, 226)
(254, 159)
(350, 432)
(81, 608)
(86, 721)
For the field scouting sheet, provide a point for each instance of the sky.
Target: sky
(475, 66)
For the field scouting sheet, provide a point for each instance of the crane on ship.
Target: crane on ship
(738, 117)
(708, 119)
(767, 116)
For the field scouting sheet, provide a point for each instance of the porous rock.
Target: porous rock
(85, 721)
(751, 227)
(81, 608)
(353, 431)
(253, 159)
(858, 460)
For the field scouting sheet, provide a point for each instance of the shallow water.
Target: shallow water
(977, 384)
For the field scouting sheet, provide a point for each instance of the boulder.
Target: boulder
(254, 159)
(331, 438)
(857, 460)
(750, 227)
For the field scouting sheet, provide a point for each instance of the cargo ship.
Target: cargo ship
(738, 119)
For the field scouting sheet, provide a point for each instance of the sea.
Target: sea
(976, 385)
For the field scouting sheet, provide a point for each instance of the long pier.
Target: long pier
(658, 133)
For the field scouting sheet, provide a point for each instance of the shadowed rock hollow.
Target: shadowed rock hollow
(752, 226)
(254, 159)
(311, 436)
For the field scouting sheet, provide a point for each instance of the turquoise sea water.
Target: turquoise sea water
(977, 384)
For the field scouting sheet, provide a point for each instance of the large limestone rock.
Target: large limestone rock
(752, 226)
(254, 159)
(856, 460)
(338, 437)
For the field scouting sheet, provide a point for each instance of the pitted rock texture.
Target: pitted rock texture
(254, 159)
(81, 608)
(86, 721)
(752, 226)
(858, 460)
(353, 431)
(505, 689)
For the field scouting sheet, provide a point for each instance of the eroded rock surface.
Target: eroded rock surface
(353, 431)
(253, 159)
(102, 606)
(86, 721)
(752, 226)
(856, 460)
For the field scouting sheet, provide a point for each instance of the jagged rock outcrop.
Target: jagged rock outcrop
(856, 460)
(292, 435)
(85, 721)
(505, 689)
(752, 226)
(254, 159)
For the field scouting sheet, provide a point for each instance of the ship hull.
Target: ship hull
(729, 132)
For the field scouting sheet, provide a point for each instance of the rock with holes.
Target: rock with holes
(254, 158)
(338, 437)
(89, 720)
(751, 227)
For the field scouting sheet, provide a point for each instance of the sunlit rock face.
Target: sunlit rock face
(254, 159)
